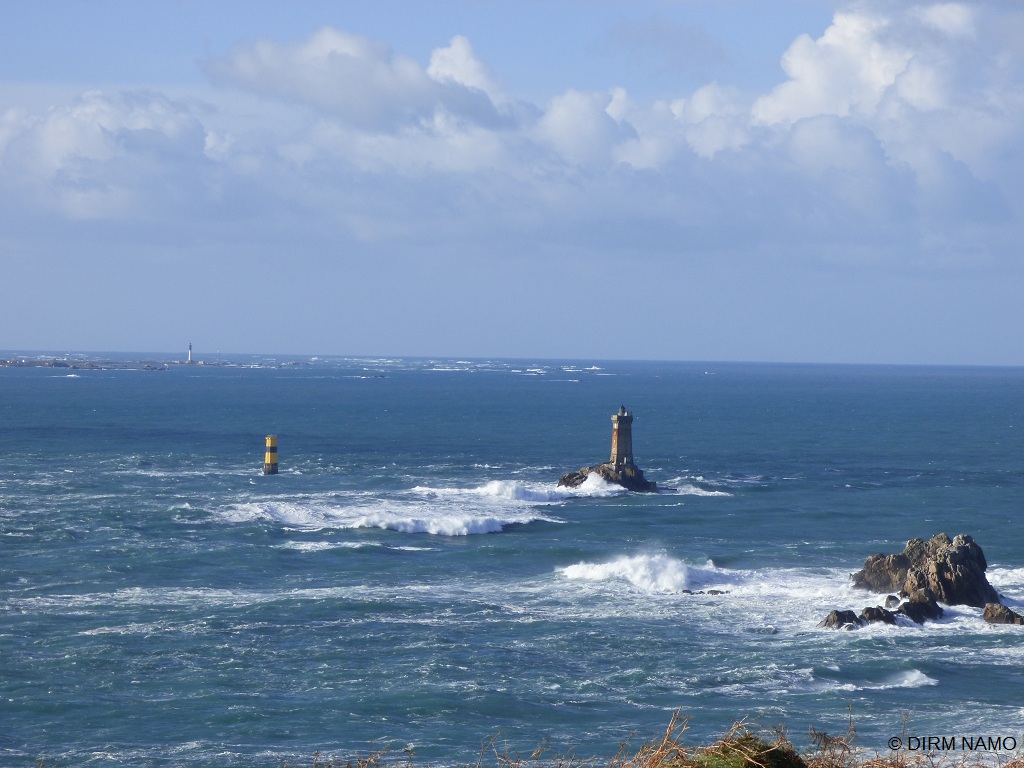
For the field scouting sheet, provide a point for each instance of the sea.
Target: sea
(413, 580)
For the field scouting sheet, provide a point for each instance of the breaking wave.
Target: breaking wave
(652, 574)
(488, 508)
(404, 517)
(911, 678)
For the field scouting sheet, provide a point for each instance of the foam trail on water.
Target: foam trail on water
(320, 546)
(911, 678)
(508, 490)
(688, 487)
(489, 508)
(693, 490)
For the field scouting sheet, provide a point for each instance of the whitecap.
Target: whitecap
(1009, 582)
(320, 546)
(433, 515)
(508, 490)
(594, 486)
(911, 678)
(440, 525)
(694, 490)
(652, 573)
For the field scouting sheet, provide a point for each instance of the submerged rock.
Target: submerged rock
(840, 620)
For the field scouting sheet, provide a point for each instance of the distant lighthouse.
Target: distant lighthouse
(622, 439)
(620, 467)
(189, 361)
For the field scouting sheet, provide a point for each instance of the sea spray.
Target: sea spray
(652, 574)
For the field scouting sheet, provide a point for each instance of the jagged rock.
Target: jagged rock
(840, 620)
(891, 601)
(953, 570)
(629, 476)
(996, 613)
(876, 613)
(920, 606)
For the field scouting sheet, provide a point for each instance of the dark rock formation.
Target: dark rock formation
(920, 606)
(840, 620)
(628, 476)
(953, 570)
(620, 468)
(996, 613)
(876, 613)
(917, 608)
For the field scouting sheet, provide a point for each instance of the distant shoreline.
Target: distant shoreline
(133, 365)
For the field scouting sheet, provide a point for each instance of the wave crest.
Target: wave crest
(440, 518)
(652, 574)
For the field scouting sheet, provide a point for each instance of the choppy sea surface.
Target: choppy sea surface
(414, 579)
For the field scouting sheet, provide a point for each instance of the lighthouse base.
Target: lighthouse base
(628, 476)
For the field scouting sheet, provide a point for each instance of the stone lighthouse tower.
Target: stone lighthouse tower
(619, 469)
(622, 439)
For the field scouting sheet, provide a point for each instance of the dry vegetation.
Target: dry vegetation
(744, 746)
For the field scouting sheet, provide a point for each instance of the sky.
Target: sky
(796, 181)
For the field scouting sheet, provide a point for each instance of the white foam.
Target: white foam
(911, 678)
(594, 486)
(652, 574)
(1008, 582)
(320, 546)
(440, 525)
(441, 512)
(688, 489)
(508, 490)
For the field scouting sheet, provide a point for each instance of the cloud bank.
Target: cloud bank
(891, 138)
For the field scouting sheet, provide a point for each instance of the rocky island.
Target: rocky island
(925, 573)
(620, 468)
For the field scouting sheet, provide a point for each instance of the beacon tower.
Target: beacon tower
(622, 439)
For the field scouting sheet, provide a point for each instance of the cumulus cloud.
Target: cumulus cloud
(102, 156)
(362, 81)
(844, 72)
(458, 64)
(579, 126)
(883, 127)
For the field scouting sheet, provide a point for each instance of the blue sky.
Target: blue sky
(827, 182)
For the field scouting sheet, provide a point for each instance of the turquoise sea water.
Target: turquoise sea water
(414, 579)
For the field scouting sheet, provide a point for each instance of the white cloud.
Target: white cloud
(844, 72)
(361, 81)
(458, 64)
(715, 119)
(579, 127)
(103, 155)
(883, 121)
(952, 19)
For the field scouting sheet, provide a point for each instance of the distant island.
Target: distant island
(86, 365)
(105, 364)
